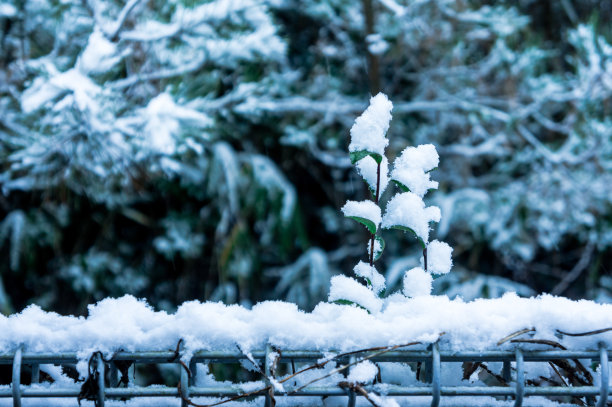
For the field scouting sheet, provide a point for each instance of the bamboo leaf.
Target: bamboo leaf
(371, 226)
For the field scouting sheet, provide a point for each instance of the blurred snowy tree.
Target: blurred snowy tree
(188, 149)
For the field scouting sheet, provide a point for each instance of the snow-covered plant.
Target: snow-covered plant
(405, 211)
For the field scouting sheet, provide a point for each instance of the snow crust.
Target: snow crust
(363, 209)
(363, 373)
(417, 282)
(408, 210)
(368, 132)
(377, 280)
(131, 324)
(346, 288)
(439, 260)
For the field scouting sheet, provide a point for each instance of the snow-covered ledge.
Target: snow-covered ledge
(127, 324)
(131, 324)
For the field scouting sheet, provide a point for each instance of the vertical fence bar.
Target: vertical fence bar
(100, 368)
(520, 378)
(17, 377)
(267, 373)
(435, 375)
(604, 375)
(352, 397)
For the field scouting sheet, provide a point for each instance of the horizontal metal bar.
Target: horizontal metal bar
(391, 390)
(304, 356)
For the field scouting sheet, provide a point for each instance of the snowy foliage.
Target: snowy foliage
(405, 211)
(122, 122)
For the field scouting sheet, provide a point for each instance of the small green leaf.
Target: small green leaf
(358, 155)
(407, 229)
(371, 226)
(401, 186)
(378, 253)
(347, 302)
(433, 169)
(376, 157)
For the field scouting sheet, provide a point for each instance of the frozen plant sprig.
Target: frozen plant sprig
(405, 210)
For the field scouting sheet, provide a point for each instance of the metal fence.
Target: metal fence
(432, 358)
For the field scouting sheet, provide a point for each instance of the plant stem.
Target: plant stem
(376, 198)
(425, 258)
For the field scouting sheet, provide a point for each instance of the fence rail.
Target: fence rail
(432, 358)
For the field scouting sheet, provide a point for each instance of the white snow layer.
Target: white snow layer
(366, 271)
(439, 259)
(368, 132)
(408, 210)
(412, 166)
(349, 289)
(417, 283)
(362, 373)
(367, 168)
(131, 324)
(363, 209)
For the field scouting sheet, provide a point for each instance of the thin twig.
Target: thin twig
(599, 331)
(320, 365)
(514, 335)
(358, 388)
(540, 342)
(233, 398)
(344, 367)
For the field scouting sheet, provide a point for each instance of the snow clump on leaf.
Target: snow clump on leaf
(407, 210)
(368, 132)
(439, 260)
(375, 279)
(417, 283)
(410, 169)
(363, 210)
(346, 289)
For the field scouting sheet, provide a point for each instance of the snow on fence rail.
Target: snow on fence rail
(433, 358)
(415, 351)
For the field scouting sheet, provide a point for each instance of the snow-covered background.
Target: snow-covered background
(181, 150)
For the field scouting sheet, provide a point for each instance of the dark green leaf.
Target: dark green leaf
(407, 229)
(401, 186)
(358, 155)
(366, 222)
